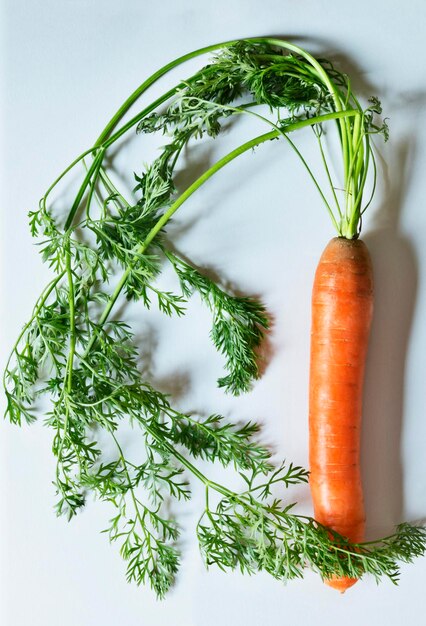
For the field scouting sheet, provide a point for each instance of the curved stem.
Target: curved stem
(146, 111)
(92, 187)
(150, 81)
(93, 192)
(65, 172)
(192, 55)
(105, 140)
(327, 82)
(199, 52)
(92, 171)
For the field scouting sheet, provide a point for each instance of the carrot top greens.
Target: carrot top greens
(86, 361)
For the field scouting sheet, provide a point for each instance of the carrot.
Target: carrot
(342, 306)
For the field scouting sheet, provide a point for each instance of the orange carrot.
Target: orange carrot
(342, 306)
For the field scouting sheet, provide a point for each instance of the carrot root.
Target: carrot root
(342, 305)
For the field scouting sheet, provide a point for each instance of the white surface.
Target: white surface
(66, 67)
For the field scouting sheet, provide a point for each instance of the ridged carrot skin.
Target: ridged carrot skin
(342, 308)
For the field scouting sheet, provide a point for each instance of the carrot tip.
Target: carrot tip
(340, 584)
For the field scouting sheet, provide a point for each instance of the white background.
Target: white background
(66, 68)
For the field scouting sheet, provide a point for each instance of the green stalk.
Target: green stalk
(327, 82)
(65, 172)
(111, 188)
(105, 140)
(92, 171)
(92, 186)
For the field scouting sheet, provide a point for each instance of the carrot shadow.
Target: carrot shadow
(396, 277)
